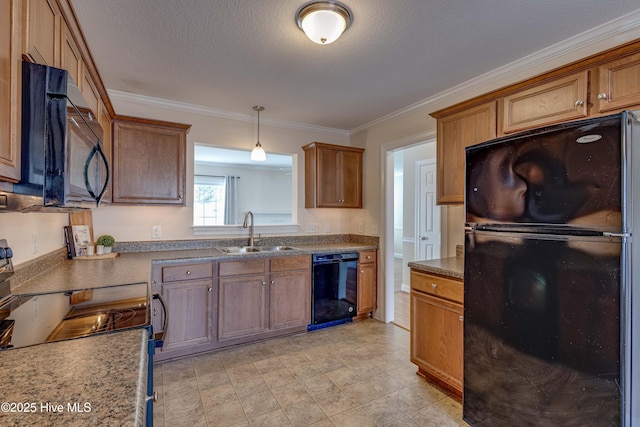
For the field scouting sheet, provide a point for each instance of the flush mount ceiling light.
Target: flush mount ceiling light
(324, 21)
(258, 153)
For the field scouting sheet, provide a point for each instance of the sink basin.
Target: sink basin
(252, 249)
(239, 249)
(277, 248)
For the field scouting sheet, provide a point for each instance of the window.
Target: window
(208, 200)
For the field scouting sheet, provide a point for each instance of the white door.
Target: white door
(427, 213)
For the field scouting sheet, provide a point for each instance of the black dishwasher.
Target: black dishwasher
(335, 289)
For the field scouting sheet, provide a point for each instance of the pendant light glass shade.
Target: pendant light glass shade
(258, 154)
(324, 21)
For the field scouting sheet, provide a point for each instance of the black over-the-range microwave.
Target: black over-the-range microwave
(63, 164)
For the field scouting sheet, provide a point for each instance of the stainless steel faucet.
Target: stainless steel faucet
(244, 225)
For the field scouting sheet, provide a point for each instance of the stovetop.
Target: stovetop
(32, 319)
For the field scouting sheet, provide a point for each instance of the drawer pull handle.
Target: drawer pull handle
(188, 273)
(579, 103)
(461, 318)
(433, 285)
(602, 96)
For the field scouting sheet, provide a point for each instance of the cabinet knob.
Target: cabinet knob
(424, 238)
(579, 103)
(361, 271)
(273, 282)
(602, 96)
(154, 281)
(180, 196)
(264, 283)
(368, 256)
(188, 273)
(461, 318)
(433, 285)
(209, 289)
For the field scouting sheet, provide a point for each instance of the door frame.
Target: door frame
(385, 307)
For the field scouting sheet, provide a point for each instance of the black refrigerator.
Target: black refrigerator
(549, 326)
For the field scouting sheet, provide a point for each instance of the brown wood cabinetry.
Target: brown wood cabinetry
(606, 83)
(367, 283)
(437, 329)
(149, 161)
(455, 132)
(333, 176)
(10, 93)
(188, 290)
(263, 297)
(556, 101)
(42, 32)
(71, 58)
(618, 85)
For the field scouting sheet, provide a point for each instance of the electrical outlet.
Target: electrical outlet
(312, 227)
(327, 227)
(156, 232)
(34, 243)
(361, 228)
(374, 229)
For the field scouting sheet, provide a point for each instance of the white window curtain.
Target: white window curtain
(231, 200)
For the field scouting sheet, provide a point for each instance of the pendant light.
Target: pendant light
(324, 21)
(258, 153)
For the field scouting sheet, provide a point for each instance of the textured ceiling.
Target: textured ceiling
(230, 55)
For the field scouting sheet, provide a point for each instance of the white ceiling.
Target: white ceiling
(230, 55)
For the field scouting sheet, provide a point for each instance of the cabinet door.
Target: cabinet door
(10, 79)
(41, 42)
(619, 84)
(366, 288)
(189, 306)
(328, 179)
(553, 102)
(350, 166)
(436, 339)
(455, 132)
(70, 57)
(148, 162)
(242, 310)
(289, 299)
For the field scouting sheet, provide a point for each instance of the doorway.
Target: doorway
(415, 220)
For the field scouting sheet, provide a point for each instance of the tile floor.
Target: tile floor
(356, 374)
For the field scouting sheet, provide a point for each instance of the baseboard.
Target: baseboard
(405, 288)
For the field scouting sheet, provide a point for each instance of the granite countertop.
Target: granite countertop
(105, 376)
(135, 267)
(449, 267)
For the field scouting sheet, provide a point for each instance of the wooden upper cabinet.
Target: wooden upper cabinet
(618, 85)
(557, 101)
(455, 132)
(10, 94)
(149, 161)
(71, 57)
(42, 32)
(333, 176)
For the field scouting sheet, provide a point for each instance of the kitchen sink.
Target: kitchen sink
(253, 249)
(239, 249)
(277, 248)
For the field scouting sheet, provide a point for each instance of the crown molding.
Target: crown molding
(166, 104)
(608, 35)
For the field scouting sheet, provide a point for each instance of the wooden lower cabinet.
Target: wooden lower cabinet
(367, 283)
(242, 306)
(437, 330)
(188, 292)
(262, 298)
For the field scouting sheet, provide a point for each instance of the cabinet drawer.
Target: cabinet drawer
(236, 268)
(291, 263)
(177, 273)
(438, 286)
(367, 256)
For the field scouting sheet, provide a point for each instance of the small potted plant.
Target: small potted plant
(105, 244)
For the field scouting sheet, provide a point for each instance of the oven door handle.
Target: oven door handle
(159, 336)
